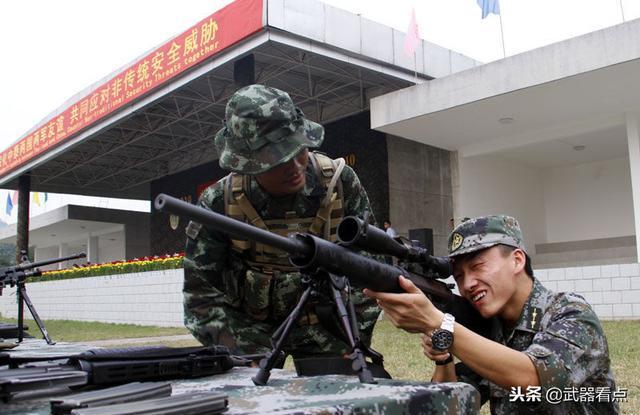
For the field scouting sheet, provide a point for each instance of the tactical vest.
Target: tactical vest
(324, 224)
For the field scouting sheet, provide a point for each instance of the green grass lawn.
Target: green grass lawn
(77, 331)
(402, 351)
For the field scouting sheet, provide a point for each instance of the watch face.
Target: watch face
(441, 339)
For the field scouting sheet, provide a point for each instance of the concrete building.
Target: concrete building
(103, 234)
(549, 136)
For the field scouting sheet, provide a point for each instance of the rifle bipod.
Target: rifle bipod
(312, 286)
(16, 275)
(23, 298)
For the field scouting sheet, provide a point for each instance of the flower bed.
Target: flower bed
(153, 263)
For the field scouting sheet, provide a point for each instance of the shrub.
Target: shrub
(153, 263)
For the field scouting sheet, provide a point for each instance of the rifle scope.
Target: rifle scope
(355, 232)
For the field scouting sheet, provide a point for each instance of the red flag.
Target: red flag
(412, 40)
(14, 197)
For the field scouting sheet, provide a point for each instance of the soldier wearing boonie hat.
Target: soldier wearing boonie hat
(237, 292)
(540, 340)
(262, 129)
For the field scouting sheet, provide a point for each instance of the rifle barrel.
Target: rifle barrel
(307, 251)
(231, 226)
(31, 265)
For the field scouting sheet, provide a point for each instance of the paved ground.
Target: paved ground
(115, 342)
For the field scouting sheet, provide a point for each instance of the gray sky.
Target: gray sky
(53, 49)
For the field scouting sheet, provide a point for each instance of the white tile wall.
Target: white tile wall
(150, 298)
(612, 290)
(155, 298)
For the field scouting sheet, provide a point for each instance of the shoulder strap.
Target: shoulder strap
(329, 172)
(238, 206)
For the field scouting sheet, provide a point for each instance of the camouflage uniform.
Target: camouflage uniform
(559, 332)
(224, 299)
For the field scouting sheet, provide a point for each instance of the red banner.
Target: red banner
(210, 36)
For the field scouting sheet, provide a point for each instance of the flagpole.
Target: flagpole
(622, 11)
(504, 53)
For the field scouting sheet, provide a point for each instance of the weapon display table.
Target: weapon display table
(288, 394)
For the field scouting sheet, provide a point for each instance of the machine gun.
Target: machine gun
(317, 258)
(16, 275)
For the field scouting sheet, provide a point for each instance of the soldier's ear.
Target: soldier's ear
(519, 260)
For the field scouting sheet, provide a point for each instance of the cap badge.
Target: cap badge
(456, 241)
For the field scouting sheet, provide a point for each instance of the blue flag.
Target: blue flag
(9, 205)
(489, 6)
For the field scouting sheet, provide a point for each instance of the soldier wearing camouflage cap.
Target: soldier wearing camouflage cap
(237, 292)
(540, 341)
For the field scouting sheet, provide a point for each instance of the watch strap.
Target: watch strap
(445, 361)
(448, 322)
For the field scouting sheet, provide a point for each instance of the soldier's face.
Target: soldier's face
(287, 178)
(487, 280)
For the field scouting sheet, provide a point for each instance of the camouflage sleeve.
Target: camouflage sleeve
(572, 348)
(206, 264)
(356, 202)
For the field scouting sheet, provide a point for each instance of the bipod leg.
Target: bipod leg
(358, 363)
(23, 292)
(278, 339)
(20, 313)
(367, 350)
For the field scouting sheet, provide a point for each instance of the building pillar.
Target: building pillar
(92, 249)
(22, 230)
(633, 141)
(63, 250)
(456, 193)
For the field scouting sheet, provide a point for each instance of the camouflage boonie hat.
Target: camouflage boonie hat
(484, 232)
(262, 129)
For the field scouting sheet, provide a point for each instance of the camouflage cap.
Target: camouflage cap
(262, 129)
(484, 232)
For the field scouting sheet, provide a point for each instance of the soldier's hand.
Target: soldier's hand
(430, 352)
(411, 311)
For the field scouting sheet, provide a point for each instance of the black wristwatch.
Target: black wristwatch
(442, 338)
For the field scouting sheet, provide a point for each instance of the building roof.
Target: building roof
(71, 222)
(537, 107)
(330, 61)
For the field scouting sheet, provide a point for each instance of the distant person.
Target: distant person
(540, 342)
(389, 230)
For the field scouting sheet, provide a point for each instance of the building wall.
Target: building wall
(420, 191)
(155, 298)
(492, 185)
(588, 201)
(115, 250)
(163, 238)
(365, 150)
(612, 290)
(571, 215)
(150, 298)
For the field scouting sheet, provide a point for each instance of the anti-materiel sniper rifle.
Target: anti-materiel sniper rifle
(312, 254)
(16, 275)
